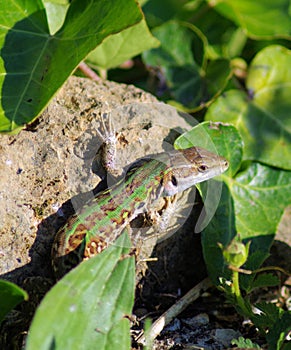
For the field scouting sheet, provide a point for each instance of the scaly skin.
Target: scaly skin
(103, 219)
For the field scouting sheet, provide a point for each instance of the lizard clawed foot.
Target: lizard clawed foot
(105, 159)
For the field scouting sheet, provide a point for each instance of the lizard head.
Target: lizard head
(190, 166)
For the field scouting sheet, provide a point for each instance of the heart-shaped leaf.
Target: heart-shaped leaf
(35, 63)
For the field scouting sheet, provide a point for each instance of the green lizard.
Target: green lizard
(103, 219)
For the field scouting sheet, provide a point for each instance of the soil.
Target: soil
(47, 171)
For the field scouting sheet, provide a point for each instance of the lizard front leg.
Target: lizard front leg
(105, 159)
(160, 216)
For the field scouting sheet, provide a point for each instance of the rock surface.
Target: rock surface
(46, 170)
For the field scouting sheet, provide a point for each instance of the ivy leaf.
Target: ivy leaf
(56, 13)
(220, 230)
(260, 195)
(252, 16)
(263, 117)
(119, 47)
(35, 63)
(218, 216)
(181, 57)
(224, 39)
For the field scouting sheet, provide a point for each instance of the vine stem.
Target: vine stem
(237, 293)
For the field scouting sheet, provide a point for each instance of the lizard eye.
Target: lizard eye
(202, 168)
(174, 181)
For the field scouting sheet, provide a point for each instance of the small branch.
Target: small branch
(173, 311)
(262, 269)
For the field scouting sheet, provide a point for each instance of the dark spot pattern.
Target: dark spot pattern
(95, 246)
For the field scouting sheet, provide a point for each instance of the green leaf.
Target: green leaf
(177, 60)
(181, 57)
(34, 64)
(221, 229)
(260, 195)
(269, 314)
(265, 280)
(269, 84)
(87, 308)
(224, 38)
(176, 46)
(10, 296)
(158, 12)
(245, 343)
(217, 75)
(260, 19)
(278, 331)
(275, 321)
(119, 47)
(56, 11)
(263, 119)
